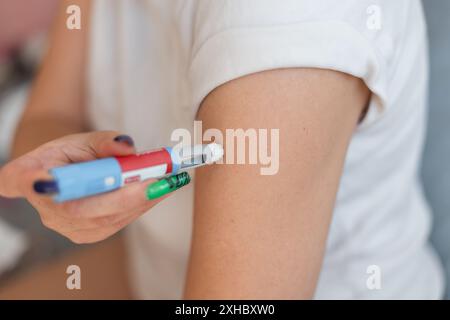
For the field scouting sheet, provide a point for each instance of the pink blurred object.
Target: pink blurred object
(20, 20)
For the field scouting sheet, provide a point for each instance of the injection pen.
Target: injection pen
(84, 179)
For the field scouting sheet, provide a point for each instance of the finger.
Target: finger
(142, 195)
(127, 199)
(99, 234)
(17, 177)
(99, 144)
(108, 143)
(65, 225)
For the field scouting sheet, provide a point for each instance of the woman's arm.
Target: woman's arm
(55, 107)
(264, 236)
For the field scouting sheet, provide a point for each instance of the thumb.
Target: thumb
(15, 181)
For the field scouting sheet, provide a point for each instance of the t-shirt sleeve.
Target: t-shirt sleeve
(234, 39)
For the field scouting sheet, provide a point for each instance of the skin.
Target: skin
(35, 17)
(48, 281)
(48, 115)
(85, 221)
(245, 245)
(265, 239)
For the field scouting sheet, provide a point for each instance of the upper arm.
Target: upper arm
(56, 103)
(58, 90)
(261, 236)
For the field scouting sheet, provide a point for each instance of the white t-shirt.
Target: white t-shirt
(152, 63)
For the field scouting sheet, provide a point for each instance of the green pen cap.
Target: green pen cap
(167, 185)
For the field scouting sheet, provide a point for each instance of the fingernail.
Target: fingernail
(45, 187)
(125, 139)
(167, 185)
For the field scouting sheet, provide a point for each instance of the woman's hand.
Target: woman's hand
(83, 221)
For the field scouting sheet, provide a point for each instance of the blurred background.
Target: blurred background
(25, 243)
(436, 159)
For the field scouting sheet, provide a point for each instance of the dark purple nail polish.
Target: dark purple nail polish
(125, 139)
(45, 187)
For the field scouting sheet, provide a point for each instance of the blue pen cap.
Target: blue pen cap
(84, 179)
